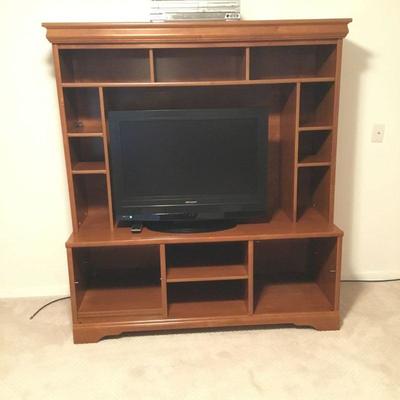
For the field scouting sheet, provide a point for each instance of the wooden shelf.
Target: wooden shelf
(84, 134)
(89, 167)
(206, 273)
(207, 309)
(271, 81)
(290, 297)
(96, 232)
(309, 163)
(315, 128)
(85, 127)
(121, 301)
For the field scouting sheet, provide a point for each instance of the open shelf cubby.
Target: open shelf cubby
(104, 65)
(293, 61)
(200, 64)
(316, 104)
(207, 299)
(313, 191)
(278, 100)
(91, 200)
(87, 155)
(315, 147)
(118, 282)
(294, 276)
(82, 110)
(206, 262)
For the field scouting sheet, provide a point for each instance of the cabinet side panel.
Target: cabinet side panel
(60, 94)
(335, 126)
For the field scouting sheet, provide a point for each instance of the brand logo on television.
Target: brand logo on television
(191, 202)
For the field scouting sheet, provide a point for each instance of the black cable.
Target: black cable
(47, 304)
(372, 280)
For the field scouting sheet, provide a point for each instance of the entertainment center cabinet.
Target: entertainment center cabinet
(282, 270)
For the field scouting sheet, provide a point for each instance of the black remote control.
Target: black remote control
(136, 227)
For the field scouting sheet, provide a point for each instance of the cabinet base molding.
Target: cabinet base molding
(94, 332)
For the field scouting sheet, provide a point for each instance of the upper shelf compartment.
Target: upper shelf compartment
(301, 61)
(104, 65)
(199, 64)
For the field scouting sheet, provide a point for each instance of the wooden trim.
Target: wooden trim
(197, 45)
(247, 64)
(123, 237)
(196, 32)
(164, 293)
(152, 66)
(90, 333)
(339, 244)
(335, 124)
(250, 272)
(71, 274)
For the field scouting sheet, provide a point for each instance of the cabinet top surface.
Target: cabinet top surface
(198, 31)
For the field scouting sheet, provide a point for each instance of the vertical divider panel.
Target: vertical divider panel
(71, 275)
(152, 66)
(335, 127)
(247, 63)
(164, 294)
(106, 157)
(296, 150)
(289, 146)
(67, 151)
(338, 271)
(250, 273)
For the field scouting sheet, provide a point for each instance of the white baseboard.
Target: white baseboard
(47, 291)
(371, 275)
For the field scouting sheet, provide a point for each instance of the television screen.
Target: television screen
(177, 163)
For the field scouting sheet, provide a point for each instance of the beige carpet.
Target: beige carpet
(361, 361)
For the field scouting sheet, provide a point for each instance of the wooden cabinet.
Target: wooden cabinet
(285, 269)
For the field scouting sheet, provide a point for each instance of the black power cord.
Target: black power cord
(47, 304)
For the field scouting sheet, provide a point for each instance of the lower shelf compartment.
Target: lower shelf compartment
(206, 309)
(121, 301)
(290, 297)
(207, 299)
(122, 283)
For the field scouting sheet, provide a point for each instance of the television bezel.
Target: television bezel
(196, 207)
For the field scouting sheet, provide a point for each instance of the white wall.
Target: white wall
(34, 211)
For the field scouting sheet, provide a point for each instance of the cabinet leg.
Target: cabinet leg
(87, 335)
(327, 323)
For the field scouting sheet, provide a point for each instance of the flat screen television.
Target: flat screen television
(188, 169)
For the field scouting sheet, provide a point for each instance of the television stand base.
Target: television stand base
(190, 226)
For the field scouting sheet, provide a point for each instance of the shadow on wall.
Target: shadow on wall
(355, 62)
(49, 64)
